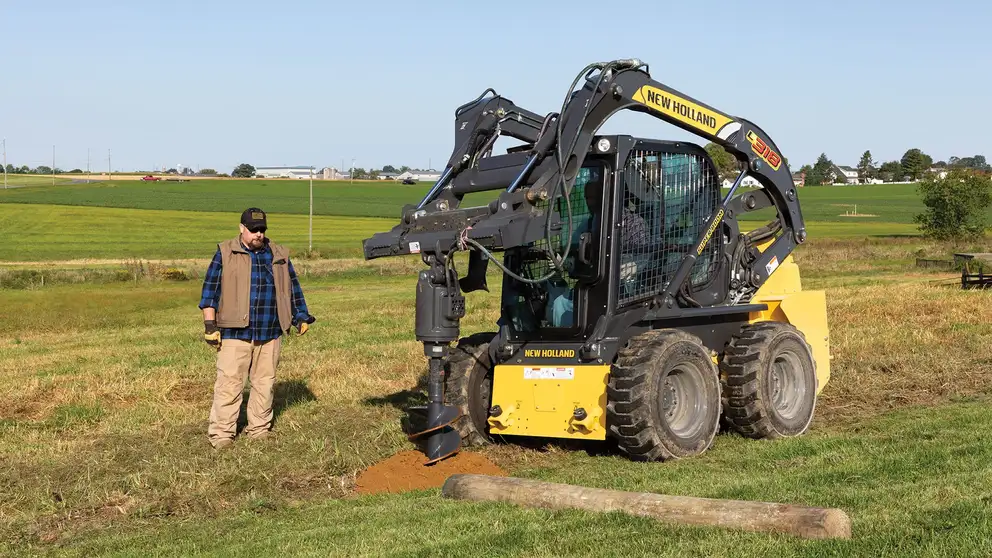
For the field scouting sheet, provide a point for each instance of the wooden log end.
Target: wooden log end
(836, 524)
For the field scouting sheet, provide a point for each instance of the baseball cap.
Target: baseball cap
(253, 219)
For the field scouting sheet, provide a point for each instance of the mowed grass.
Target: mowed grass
(103, 449)
(35, 232)
(363, 198)
(885, 203)
(61, 232)
(22, 180)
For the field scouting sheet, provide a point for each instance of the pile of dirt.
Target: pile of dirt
(406, 471)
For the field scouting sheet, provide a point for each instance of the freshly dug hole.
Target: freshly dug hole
(405, 471)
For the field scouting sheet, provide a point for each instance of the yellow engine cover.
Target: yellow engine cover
(806, 310)
(541, 400)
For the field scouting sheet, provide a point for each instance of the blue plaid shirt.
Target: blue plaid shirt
(263, 317)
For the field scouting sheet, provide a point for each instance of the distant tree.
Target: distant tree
(172, 171)
(956, 205)
(372, 174)
(940, 164)
(915, 163)
(866, 167)
(208, 171)
(820, 173)
(11, 169)
(359, 173)
(404, 168)
(977, 162)
(42, 170)
(891, 171)
(805, 169)
(76, 171)
(726, 164)
(23, 170)
(389, 168)
(244, 170)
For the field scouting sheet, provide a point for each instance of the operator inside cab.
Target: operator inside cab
(551, 303)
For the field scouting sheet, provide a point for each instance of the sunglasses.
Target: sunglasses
(257, 229)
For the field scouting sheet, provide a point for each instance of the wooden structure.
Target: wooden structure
(808, 522)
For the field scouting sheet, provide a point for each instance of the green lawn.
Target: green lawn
(103, 450)
(34, 180)
(890, 203)
(371, 199)
(61, 232)
(36, 232)
(914, 483)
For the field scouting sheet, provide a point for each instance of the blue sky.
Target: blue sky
(213, 84)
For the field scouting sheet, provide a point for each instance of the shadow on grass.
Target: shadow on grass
(285, 395)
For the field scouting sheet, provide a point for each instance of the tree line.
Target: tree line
(913, 166)
(40, 169)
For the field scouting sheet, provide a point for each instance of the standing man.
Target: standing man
(251, 296)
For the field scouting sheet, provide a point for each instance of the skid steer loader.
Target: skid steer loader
(635, 304)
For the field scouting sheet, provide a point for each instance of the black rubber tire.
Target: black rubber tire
(769, 381)
(652, 364)
(468, 382)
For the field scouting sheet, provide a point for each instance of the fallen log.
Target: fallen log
(808, 522)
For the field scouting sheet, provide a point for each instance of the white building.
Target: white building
(285, 172)
(850, 174)
(748, 182)
(430, 175)
(331, 173)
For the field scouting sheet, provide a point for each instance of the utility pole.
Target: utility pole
(53, 165)
(88, 164)
(351, 173)
(311, 209)
(110, 171)
(4, 163)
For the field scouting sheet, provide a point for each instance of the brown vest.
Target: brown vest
(235, 284)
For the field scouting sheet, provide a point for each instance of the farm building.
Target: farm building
(285, 172)
(420, 175)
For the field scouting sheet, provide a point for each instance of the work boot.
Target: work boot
(264, 435)
(223, 444)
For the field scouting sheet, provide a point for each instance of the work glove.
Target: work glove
(304, 324)
(211, 334)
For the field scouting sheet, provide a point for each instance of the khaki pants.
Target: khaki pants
(238, 361)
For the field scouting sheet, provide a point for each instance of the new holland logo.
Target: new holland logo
(683, 110)
(549, 353)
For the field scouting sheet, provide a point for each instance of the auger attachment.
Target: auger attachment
(440, 306)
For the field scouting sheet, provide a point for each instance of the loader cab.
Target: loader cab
(637, 208)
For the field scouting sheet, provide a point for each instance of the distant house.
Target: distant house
(849, 174)
(798, 179)
(748, 182)
(430, 175)
(938, 172)
(285, 172)
(388, 175)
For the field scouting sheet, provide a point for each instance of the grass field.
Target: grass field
(48, 232)
(61, 232)
(886, 203)
(108, 386)
(102, 445)
(21, 180)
